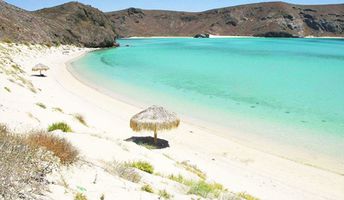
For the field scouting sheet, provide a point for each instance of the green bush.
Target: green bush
(143, 166)
(60, 126)
(147, 188)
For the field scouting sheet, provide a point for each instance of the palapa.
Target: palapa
(40, 67)
(154, 118)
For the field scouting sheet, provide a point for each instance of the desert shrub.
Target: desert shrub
(193, 169)
(124, 171)
(80, 118)
(57, 109)
(147, 188)
(180, 179)
(23, 169)
(17, 68)
(200, 188)
(142, 165)
(7, 40)
(7, 89)
(204, 189)
(60, 147)
(57, 43)
(164, 194)
(41, 105)
(80, 196)
(3, 129)
(60, 126)
(246, 196)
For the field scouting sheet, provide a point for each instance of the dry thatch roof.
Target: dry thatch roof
(154, 118)
(40, 67)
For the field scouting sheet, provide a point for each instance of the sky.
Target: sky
(179, 5)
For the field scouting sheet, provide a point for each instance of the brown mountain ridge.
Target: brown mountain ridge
(78, 24)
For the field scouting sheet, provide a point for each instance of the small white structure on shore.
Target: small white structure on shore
(40, 67)
(154, 118)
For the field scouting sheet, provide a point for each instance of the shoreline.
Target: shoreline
(227, 36)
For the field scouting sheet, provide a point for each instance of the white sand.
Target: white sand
(237, 167)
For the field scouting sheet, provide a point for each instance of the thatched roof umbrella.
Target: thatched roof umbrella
(40, 67)
(155, 119)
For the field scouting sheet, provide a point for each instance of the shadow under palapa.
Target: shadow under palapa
(149, 141)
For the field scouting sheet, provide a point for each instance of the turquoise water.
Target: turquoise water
(286, 90)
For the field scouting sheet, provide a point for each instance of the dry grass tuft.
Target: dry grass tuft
(80, 196)
(124, 171)
(147, 188)
(41, 105)
(80, 118)
(246, 196)
(193, 169)
(60, 147)
(164, 194)
(23, 168)
(57, 109)
(7, 89)
(7, 40)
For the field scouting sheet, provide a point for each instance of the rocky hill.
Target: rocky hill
(71, 23)
(75, 23)
(276, 19)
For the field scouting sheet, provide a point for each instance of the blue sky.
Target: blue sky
(181, 5)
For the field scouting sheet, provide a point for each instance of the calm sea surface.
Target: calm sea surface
(289, 91)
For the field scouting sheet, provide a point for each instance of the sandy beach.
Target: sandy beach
(236, 166)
